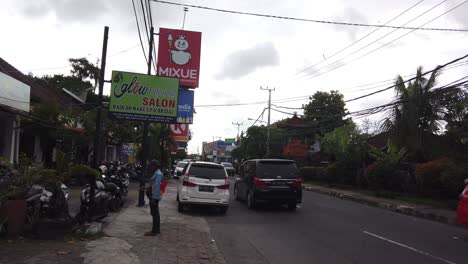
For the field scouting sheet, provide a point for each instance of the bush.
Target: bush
(452, 179)
(384, 175)
(428, 177)
(312, 173)
(342, 172)
(81, 173)
(40, 175)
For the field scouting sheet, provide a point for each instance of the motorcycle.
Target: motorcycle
(46, 202)
(101, 203)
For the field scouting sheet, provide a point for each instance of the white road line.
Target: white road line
(408, 247)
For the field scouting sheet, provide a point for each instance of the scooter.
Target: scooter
(101, 203)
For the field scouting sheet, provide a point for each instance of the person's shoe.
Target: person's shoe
(150, 233)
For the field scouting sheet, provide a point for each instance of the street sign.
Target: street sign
(179, 55)
(185, 111)
(230, 140)
(141, 97)
(179, 132)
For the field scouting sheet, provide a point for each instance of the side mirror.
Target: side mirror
(466, 181)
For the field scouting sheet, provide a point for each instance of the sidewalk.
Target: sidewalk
(423, 211)
(184, 238)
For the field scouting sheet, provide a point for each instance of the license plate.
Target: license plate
(203, 188)
(278, 183)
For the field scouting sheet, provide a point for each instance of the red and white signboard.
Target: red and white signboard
(179, 132)
(179, 55)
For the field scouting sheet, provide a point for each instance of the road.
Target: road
(330, 230)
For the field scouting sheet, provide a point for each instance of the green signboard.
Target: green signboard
(230, 140)
(141, 97)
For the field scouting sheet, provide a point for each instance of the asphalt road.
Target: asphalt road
(330, 230)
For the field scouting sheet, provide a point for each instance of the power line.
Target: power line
(357, 41)
(148, 8)
(236, 104)
(139, 33)
(388, 43)
(144, 19)
(308, 20)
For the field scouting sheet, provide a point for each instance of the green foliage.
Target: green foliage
(327, 110)
(181, 154)
(428, 177)
(312, 173)
(253, 144)
(385, 175)
(345, 143)
(452, 179)
(82, 171)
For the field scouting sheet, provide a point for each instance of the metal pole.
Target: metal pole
(185, 13)
(141, 193)
(268, 126)
(97, 133)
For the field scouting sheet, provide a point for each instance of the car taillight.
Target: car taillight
(259, 182)
(223, 187)
(186, 182)
(297, 183)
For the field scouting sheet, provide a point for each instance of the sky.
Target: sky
(240, 53)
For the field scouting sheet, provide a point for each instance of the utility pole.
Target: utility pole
(141, 193)
(238, 127)
(185, 13)
(268, 126)
(97, 133)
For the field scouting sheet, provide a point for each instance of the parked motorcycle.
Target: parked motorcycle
(101, 203)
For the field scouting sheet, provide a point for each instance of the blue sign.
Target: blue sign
(185, 111)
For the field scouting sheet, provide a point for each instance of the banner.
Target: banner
(179, 132)
(179, 55)
(185, 113)
(230, 140)
(142, 97)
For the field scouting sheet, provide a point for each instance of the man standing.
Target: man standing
(155, 197)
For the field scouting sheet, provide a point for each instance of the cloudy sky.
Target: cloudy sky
(242, 53)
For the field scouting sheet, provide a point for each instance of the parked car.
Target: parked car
(203, 183)
(462, 209)
(229, 168)
(179, 168)
(269, 180)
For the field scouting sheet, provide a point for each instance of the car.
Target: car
(203, 183)
(229, 168)
(179, 168)
(462, 208)
(269, 180)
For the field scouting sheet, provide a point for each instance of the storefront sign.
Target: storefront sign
(179, 132)
(185, 113)
(179, 55)
(141, 97)
(14, 93)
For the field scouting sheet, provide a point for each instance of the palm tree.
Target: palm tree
(418, 114)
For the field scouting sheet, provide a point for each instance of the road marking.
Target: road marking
(408, 247)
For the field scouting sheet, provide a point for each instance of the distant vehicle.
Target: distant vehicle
(179, 168)
(229, 168)
(269, 180)
(203, 183)
(462, 209)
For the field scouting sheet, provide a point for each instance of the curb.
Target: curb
(402, 209)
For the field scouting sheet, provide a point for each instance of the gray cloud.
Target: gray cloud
(350, 14)
(459, 15)
(244, 62)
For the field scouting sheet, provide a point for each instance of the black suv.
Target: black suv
(269, 180)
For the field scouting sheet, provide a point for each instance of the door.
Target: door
(208, 181)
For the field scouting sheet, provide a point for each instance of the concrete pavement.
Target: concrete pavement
(184, 238)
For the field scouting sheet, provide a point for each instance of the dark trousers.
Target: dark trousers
(154, 207)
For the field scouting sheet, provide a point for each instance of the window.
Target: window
(273, 169)
(181, 164)
(207, 171)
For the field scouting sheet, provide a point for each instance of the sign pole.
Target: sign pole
(97, 133)
(141, 193)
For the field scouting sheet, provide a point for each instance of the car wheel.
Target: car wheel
(250, 200)
(236, 194)
(223, 209)
(292, 206)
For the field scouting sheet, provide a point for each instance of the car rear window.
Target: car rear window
(181, 164)
(225, 164)
(207, 171)
(271, 170)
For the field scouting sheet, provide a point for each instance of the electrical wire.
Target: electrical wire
(359, 40)
(308, 20)
(139, 32)
(388, 43)
(147, 29)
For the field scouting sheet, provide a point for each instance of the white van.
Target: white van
(203, 183)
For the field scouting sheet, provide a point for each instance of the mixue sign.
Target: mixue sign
(179, 55)
(179, 132)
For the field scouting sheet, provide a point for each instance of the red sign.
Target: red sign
(179, 55)
(179, 132)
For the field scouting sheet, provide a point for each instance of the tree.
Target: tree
(418, 114)
(253, 144)
(326, 110)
